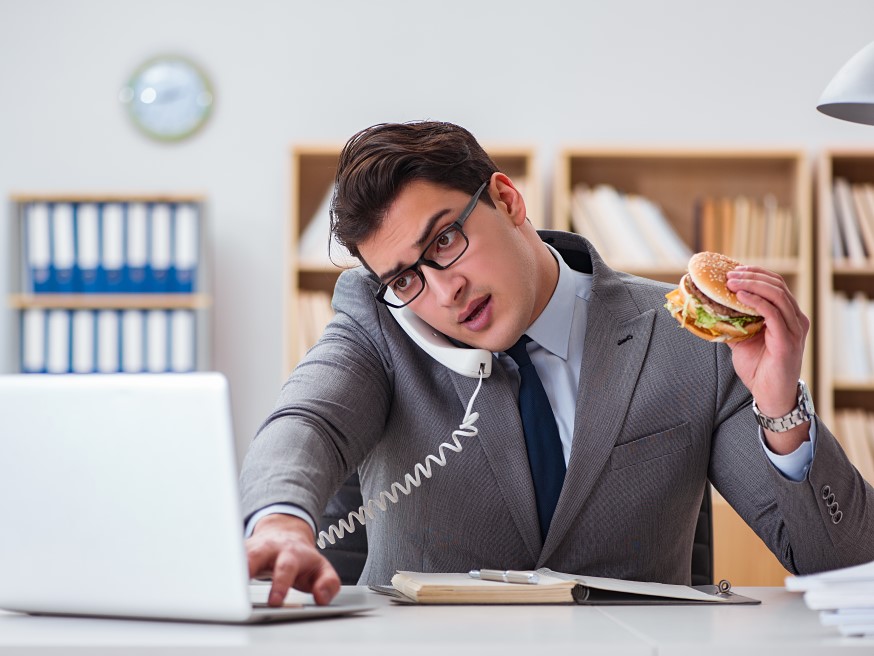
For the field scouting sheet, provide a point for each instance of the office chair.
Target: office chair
(348, 555)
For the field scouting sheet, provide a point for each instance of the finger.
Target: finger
(260, 559)
(744, 277)
(322, 580)
(762, 293)
(284, 575)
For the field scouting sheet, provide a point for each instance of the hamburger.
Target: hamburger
(705, 307)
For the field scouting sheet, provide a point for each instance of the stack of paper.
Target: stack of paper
(843, 597)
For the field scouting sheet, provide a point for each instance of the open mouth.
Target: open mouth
(477, 310)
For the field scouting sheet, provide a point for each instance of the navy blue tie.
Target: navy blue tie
(545, 456)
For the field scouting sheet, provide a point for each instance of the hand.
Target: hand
(283, 548)
(769, 363)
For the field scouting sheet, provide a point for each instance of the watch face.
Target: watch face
(168, 98)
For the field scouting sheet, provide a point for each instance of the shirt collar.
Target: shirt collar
(552, 329)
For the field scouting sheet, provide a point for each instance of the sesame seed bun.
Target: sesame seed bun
(709, 272)
(704, 288)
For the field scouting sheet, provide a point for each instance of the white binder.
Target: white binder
(160, 234)
(108, 342)
(37, 236)
(58, 343)
(156, 341)
(63, 247)
(137, 247)
(182, 341)
(83, 342)
(132, 345)
(87, 247)
(33, 341)
(185, 248)
(112, 247)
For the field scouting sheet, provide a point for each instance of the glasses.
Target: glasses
(441, 252)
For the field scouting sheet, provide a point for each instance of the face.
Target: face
(495, 290)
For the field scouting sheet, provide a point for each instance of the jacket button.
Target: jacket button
(837, 516)
(826, 490)
(833, 509)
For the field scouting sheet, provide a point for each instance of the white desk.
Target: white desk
(781, 625)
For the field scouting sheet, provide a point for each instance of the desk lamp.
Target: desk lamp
(850, 94)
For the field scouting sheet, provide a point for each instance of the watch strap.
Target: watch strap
(797, 416)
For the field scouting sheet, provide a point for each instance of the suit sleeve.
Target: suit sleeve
(330, 412)
(823, 521)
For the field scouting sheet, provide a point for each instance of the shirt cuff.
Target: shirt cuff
(279, 509)
(795, 465)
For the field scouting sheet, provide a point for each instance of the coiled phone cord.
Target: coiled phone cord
(465, 429)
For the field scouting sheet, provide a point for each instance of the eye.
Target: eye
(446, 239)
(404, 282)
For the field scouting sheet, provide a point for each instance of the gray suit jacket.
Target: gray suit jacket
(657, 416)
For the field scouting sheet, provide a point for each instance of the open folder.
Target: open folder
(551, 588)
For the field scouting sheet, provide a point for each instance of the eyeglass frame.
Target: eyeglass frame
(415, 267)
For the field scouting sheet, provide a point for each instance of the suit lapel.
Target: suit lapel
(617, 339)
(503, 442)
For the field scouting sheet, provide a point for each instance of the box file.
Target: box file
(112, 272)
(87, 248)
(37, 245)
(63, 248)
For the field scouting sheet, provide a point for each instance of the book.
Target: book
(551, 588)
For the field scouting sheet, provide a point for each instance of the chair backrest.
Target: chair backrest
(702, 547)
(348, 555)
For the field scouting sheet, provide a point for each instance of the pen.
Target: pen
(505, 576)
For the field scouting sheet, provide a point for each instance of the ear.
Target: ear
(507, 198)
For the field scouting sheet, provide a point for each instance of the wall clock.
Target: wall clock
(168, 98)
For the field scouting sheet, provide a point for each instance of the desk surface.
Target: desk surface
(781, 624)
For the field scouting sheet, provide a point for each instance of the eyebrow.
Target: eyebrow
(419, 243)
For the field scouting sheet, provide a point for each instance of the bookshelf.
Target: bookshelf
(309, 275)
(845, 289)
(82, 305)
(682, 182)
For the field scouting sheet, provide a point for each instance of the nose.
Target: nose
(446, 285)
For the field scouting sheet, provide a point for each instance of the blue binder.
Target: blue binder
(112, 274)
(186, 248)
(85, 278)
(136, 248)
(38, 246)
(160, 248)
(63, 239)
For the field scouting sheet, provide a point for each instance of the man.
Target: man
(644, 413)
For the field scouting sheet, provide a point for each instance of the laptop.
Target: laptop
(119, 498)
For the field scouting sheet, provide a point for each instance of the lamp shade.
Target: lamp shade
(850, 94)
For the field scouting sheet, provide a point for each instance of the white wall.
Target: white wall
(545, 72)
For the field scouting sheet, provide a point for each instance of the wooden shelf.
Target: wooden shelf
(856, 166)
(677, 179)
(175, 329)
(111, 301)
(111, 197)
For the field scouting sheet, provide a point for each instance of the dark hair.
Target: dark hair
(379, 161)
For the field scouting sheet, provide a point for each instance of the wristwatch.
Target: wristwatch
(801, 413)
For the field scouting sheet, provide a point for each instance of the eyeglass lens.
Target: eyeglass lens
(443, 250)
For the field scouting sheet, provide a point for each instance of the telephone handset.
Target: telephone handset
(467, 362)
(476, 363)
